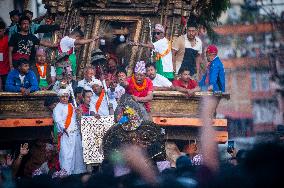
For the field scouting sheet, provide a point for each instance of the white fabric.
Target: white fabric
(52, 71)
(22, 78)
(159, 27)
(187, 44)
(56, 87)
(197, 47)
(71, 151)
(96, 81)
(160, 46)
(62, 92)
(86, 85)
(161, 81)
(118, 92)
(67, 43)
(93, 131)
(103, 110)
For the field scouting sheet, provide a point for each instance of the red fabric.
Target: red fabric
(85, 109)
(212, 49)
(191, 84)
(132, 91)
(4, 48)
(183, 21)
(54, 164)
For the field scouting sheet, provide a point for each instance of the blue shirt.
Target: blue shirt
(13, 82)
(216, 76)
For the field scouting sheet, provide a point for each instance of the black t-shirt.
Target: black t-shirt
(23, 46)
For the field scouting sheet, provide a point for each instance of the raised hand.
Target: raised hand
(9, 160)
(24, 149)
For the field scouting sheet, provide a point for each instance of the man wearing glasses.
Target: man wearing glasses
(162, 47)
(187, 50)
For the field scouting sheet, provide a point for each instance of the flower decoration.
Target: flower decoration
(130, 119)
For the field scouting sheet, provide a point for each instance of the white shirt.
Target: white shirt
(197, 47)
(103, 110)
(85, 84)
(52, 71)
(67, 43)
(118, 92)
(161, 81)
(60, 113)
(161, 46)
(22, 78)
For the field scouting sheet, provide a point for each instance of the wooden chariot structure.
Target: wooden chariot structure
(25, 118)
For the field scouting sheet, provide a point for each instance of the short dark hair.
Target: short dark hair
(2, 24)
(151, 65)
(78, 90)
(24, 18)
(21, 61)
(120, 70)
(77, 31)
(86, 91)
(182, 70)
(25, 12)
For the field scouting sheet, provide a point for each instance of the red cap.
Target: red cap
(212, 49)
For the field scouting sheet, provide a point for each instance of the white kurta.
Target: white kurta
(71, 151)
(103, 110)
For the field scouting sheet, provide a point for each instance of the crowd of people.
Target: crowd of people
(25, 67)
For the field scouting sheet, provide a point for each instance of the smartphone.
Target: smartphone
(231, 146)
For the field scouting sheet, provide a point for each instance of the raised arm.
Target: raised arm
(47, 44)
(208, 134)
(85, 41)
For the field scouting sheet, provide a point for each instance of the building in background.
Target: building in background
(35, 6)
(250, 43)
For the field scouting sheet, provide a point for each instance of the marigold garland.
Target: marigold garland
(137, 87)
(42, 74)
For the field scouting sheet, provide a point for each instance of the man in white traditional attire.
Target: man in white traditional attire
(89, 76)
(69, 139)
(99, 105)
(163, 49)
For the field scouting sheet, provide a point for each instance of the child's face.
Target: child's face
(41, 58)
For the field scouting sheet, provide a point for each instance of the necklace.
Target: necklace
(137, 87)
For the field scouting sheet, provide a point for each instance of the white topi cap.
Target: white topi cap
(160, 28)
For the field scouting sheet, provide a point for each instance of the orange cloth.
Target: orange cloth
(100, 100)
(41, 74)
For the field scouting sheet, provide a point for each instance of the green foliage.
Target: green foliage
(209, 15)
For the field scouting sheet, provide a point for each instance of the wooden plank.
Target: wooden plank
(221, 136)
(38, 122)
(190, 122)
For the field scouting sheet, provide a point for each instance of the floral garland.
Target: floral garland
(137, 87)
(41, 74)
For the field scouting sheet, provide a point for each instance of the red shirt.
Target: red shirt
(4, 49)
(132, 91)
(85, 110)
(191, 84)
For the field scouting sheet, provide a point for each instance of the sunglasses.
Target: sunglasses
(157, 33)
